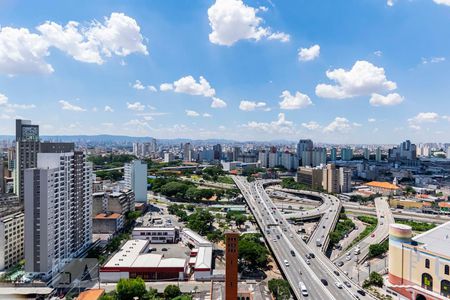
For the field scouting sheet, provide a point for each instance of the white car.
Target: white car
(303, 289)
(348, 257)
(286, 263)
(308, 262)
(338, 284)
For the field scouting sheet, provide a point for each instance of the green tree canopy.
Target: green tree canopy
(127, 289)
(171, 291)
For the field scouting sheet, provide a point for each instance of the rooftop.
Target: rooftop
(436, 240)
(108, 216)
(93, 294)
(383, 184)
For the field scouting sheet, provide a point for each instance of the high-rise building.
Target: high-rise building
(217, 152)
(27, 148)
(187, 152)
(11, 231)
(333, 154)
(312, 177)
(405, 151)
(366, 153)
(168, 157)
(2, 176)
(378, 154)
(314, 157)
(345, 180)
(136, 179)
(331, 179)
(58, 204)
(303, 145)
(237, 152)
(346, 154)
(231, 262)
(263, 158)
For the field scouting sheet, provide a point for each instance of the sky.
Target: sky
(355, 71)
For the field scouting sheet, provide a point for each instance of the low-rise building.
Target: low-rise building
(201, 255)
(134, 260)
(156, 235)
(419, 267)
(107, 223)
(384, 188)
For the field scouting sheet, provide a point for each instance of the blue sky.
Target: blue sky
(361, 71)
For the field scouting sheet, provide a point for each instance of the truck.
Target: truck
(319, 242)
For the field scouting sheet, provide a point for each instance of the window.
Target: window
(427, 281)
(427, 263)
(446, 270)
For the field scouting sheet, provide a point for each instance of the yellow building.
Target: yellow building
(419, 267)
(405, 203)
(384, 188)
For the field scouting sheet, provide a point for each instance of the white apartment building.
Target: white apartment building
(136, 179)
(156, 235)
(58, 204)
(11, 239)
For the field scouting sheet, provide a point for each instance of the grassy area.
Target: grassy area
(225, 179)
(343, 227)
(417, 226)
(371, 225)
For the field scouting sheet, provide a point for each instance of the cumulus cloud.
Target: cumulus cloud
(218, 103)
(232, 20)
(7, 107)
(307, 54)
(188, 85)
(388, 100)
(191, 113)
(66, 105)
(371, 120)
(378, 53)
(425, 117)
(138, 85)
(136, 106)
(442, 2)
(279, 126)
(137, 123)
(25, 52)
(339, 124)
(108, 109)
(433, 60)
(152, 88)
(164, 87)
(311, 125)
(251, 105)
(207, 115)
(363, 79)
(296, 101)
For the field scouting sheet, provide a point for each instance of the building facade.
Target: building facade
(11, 231)
(136, 179)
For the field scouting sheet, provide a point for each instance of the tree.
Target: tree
(127, 289)
(240, 220)
(252, 253)
(374, 279)
(200, 221)
(279, 288)
(174, 189)
(171, 291)
(378, 249)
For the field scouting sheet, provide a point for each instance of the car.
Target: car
(373, 235)
(361, 292)
(340, 264)
(338, 284)
(348, 257)
(324, 282)
(164, 249)
(292, 253)
(347, 284)
(308, 262)
(278, 237)
(356, 296)
(312, 255)
(323, 226)
(286, 263)
(303, 289)
(336, 273)
(274, 240)
(308, 256)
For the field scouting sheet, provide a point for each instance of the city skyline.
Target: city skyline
(176, 70)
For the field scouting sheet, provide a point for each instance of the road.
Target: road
(381, 232)
(282, 239)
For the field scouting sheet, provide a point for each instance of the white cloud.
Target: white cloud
(447, 118)
(65, 105)
(339, 124)
(137, 106)
(152, 88)
(188, 85)
(425, 117)
(280, 36)
(164, 87)
(207, 115)
(137, 123)
(108, 109)
(23, 52)
(251, 105)
(138, 85)
(3, 99)
(311, 125)
(307, 54)
(371, 120)
(218, 103)
(363, 79)
(192, 113)
(442, 2)
(232, 20)
(433, 60)
(296, 101)
(388, 100)
(378, 53)
(279, 126)
(390, 2)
